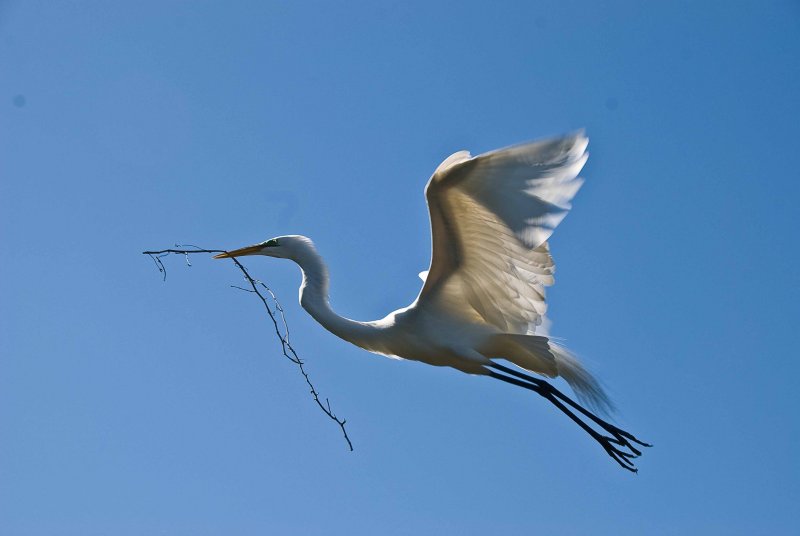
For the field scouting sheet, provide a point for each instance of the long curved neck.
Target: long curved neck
(314, 299)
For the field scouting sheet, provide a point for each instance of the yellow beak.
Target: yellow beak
(249, 250)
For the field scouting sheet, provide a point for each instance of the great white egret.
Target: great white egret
(483, 297)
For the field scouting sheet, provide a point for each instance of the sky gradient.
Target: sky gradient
(134, 406)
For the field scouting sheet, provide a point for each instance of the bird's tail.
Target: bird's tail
(541, 355)
(586, 386)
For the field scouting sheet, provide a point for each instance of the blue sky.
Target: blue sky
(134, 406)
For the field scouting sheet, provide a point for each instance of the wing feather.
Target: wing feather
(491, 217)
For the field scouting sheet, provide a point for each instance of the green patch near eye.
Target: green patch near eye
(271, 243)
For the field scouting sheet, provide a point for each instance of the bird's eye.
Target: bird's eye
(271, 243)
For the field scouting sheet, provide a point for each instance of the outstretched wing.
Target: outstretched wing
(491, 216)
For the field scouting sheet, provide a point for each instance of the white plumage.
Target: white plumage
(483, 297)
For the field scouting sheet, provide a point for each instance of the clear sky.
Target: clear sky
(133, 406)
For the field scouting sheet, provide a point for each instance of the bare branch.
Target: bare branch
(256, 286)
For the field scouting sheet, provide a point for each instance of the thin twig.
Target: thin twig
(255, 287)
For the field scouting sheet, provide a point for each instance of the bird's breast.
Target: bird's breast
(417, 336)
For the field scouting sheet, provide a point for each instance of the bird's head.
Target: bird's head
(285, 247)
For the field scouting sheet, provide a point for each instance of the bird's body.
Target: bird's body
(483, 297)
(427, 333)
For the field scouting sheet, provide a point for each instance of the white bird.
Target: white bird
(483, 297)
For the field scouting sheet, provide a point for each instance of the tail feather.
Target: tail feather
(586, 386)
(541, 355)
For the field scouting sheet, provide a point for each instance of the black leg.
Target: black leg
(554, 396)
(620, 434)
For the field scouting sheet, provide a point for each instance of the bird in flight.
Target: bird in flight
(483, 297)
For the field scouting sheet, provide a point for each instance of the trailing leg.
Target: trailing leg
(620, 434)
(617, 445)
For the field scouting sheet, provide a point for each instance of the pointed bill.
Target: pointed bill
(249, 250)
